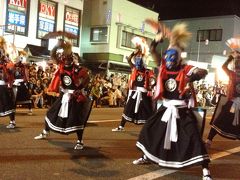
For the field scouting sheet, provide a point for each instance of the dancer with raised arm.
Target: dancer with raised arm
(227, 122)
(171, 137)
(139, 104)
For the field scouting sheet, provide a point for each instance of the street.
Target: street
(106, 154)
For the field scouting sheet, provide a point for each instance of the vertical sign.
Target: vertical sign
(47, 12)
(17, 16)
(72, 23)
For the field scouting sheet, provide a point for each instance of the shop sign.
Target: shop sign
(17, 16)
(72, 22)
(47, 12)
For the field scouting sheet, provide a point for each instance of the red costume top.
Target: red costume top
(78, 74)
(147, 74)
(181, 79)
(20, 71)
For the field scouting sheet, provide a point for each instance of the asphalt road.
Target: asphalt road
(107, 155)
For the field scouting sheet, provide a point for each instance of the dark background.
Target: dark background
(176, 9)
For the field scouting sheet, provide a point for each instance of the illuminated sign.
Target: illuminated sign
(72, 23)
(17, 16)
(47, 12)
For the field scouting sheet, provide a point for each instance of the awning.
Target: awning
(37, 51)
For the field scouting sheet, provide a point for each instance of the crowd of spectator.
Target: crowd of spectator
(208, 95)
(108, 91)
(39, 80)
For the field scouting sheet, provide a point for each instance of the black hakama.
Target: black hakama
(187, 150)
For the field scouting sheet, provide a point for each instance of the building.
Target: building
(207, 47)
(25, 22)
(108, 27)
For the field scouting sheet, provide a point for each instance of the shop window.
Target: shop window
(99, 35)
(127, 37)
(209, 34)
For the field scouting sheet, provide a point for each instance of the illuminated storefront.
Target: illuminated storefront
(25, 22)
(17, 16)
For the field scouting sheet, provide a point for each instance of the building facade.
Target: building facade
(209, 35)
(108, 27)
(207, 48)
(25, 22)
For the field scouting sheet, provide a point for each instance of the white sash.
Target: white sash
(235, 109)
(63, 112)
(2, 83)
(170, 116)
(17, 82)
(138, 96)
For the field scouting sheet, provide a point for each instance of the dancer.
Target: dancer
(170, 137)
(139, 105)
(20, 84)
(70, 111)
(227, 122)
(7, 107)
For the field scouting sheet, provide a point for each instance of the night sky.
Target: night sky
(176, 9)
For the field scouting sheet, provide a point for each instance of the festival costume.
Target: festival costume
(139, 105)
(70, 112)
(20, 84)
(227, 122)
(7, 107)
(6, 99)
(170, 137)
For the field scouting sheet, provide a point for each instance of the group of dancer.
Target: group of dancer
(170, 136)
(13, 84)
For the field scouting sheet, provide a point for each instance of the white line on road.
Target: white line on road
(225, 153)
(101, 121)
(154, 174)
(164, 172)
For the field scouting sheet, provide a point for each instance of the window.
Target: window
(127, 37)
(99, 35)
(209, 34)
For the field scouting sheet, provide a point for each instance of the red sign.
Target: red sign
(19, 3)
(72, 17)
(46, 17)
(47, 9)
(71, 22)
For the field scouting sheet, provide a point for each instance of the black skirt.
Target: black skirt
(23, 96)
(223, 123)
(189, 148)
(78, 113)
(6, 101)
(144, 112)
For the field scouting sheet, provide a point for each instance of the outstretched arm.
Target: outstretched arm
(197, 74)
(129, 58)
(225, 65)
(155, 55)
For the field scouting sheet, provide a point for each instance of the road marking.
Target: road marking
(225, 153)
(164, 172)
(154, 174)
(100, 121)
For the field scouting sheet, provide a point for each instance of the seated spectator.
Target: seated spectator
(112, 98)
(119, 97)
(38, 94)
